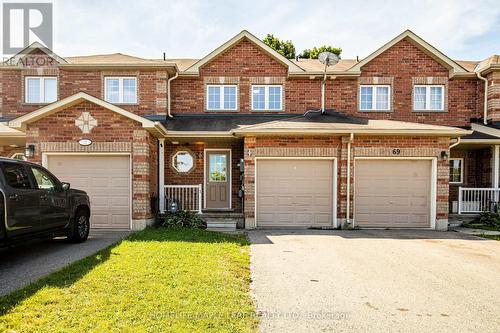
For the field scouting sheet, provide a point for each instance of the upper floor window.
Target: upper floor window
(121, 90)
(267, 98)
(428, 98)
(374, 98)
(222, 97)
(40, 89)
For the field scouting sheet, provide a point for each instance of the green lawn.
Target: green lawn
(156, 280)
(495, 237)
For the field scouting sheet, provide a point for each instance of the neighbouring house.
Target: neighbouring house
(407, 136)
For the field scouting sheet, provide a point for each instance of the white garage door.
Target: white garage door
(106, 179)
(392, 193)
(294, 193)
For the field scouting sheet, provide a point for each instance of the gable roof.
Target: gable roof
(292, 67)
(14, 60)
(435, 53)
(20, 123)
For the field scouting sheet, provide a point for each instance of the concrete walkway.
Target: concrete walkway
(375, 281)
(24, 264)
(470, 231)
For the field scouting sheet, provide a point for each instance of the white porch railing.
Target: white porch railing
(476, 200)
(188, 196)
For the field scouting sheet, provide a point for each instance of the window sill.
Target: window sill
(123, 104)
(430, 111)
(375, 111)
(36, 104)
(221, 111)
(274, 111)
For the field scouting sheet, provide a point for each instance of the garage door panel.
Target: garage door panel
(106, 179)
(294, 193)
(392, 193)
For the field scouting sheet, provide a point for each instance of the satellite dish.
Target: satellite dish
(328, 58)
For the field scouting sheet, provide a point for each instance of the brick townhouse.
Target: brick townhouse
(400, 139)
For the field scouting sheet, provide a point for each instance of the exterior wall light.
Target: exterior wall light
(444, 155)
(29, 151)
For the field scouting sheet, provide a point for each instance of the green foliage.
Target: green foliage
(182, 219)
(283, 47)
(315, 51)
(489, 219)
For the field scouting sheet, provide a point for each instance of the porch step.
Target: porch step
(455, 220)
(222, 221)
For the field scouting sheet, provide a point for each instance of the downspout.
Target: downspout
(455, 144)
(485, 112)
(169, 115)
(348, 206)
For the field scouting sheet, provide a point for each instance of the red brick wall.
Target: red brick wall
(402, 62)
(152, 93)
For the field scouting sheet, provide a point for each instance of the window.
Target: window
(456, 170)
(374, 98)
(221, 97)
(40, 89)
(183, 161)
(428, 98)
(16, 175)
(18, 156)
(267, 98)
(43, 179)
(121, 90)
(217, 172)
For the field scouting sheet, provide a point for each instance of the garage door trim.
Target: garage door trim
(433, 184)
(45, 164)
(334, 183)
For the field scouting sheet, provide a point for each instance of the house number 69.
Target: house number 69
(396, 151)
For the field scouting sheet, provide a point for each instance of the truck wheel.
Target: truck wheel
(79, 229)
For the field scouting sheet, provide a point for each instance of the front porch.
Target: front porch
(203, 175)
(475, 173)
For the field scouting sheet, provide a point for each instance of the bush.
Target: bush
(182, 219)
(490, 219)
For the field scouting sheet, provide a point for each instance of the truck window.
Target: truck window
(16, 175)
(43, 179)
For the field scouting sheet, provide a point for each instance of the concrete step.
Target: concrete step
(223, 221)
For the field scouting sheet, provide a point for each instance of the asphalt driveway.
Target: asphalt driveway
(366, 280)
(23, 264)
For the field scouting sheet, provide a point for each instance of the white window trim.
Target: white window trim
(120, 89)
(461, 169)
(221, 97)
(374, 97)
(266, 96)
(428, 97)
(42, 88)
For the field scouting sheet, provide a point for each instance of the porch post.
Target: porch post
(161, 174)
(495, 165)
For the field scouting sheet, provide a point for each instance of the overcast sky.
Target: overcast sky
(462, 29)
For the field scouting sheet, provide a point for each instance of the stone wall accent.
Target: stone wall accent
(95, 147)
(295, 151)
(221, 80)
(493, 98)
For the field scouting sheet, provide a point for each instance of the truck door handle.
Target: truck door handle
(14, 197)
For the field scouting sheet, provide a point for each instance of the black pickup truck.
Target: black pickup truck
(35, 204)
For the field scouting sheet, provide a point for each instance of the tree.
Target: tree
(283, 47)
(315, 51)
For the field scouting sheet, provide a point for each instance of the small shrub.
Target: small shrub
(182, 219)
(490, 219)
